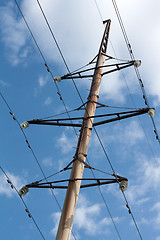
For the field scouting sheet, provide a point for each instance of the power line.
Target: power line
(45, 62)
(101, 141)
(130, 212)
(133, 58)
(141, 83)
(58, 47)
(26, 208)
(33, 153)
(26, 139)
(106, 205)
(144, 95)
(60, 52)
(65, 63)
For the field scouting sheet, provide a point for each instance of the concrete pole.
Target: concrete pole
(69, 207)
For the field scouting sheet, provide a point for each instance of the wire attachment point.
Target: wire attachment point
(137, 63)
(123, 185)
(23, 191)
(57, 79)
(151, 112)
(24, 125)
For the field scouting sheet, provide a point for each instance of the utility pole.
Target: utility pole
(74, 185)
(69, 207)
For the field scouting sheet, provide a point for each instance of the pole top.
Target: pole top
(105, 21)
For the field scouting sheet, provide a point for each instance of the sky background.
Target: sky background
(31, 93)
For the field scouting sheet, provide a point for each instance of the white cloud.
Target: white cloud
(42, 81)
(142, 183)
(131, 133)
(14, 35)
(112, 88)
(5, 187)
(3, 83)
(156, 219)
(66, 143)
(144, 36)
(56, 218)
(82, 42)
(48, 101)
(126, 135)
(146, 181)
(48, 162)
(87, 215)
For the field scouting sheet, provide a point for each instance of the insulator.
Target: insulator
(123, 185)
(57, 79)
(25, 125)
(137, 63)
(23, 191)
(151, 112)
(27, 210)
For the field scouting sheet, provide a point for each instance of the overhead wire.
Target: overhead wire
(133, 58)
(58, 47)
(42, 55)
(106, 205)
(49, 70)
(45, 62)
(130, 212)
(141, 83)
(27, 141)
(33, 153)
(25, 205)
(135, 107)
(144, 96)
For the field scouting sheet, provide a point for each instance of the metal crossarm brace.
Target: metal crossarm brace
(57, 122)
(142, 111)
(119, 66)
(99, 181)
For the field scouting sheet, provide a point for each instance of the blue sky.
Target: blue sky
(31, 93)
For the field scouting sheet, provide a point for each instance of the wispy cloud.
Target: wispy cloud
(56, 218)
(156, 220)
(147, 180)
(112, 88)
(66, 143)
(42, 81)
(14, 35)
(4, 84)
(48, 101)
(48, 162)
(87, 215)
